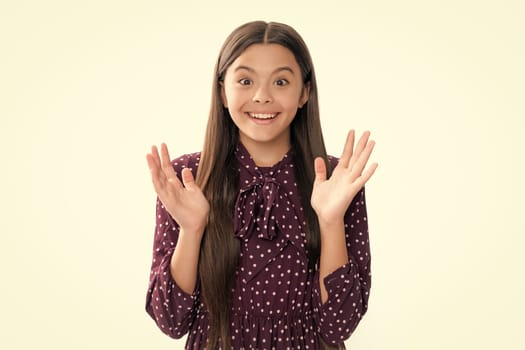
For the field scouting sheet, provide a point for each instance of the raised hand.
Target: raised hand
(183, 200)
(331, 197)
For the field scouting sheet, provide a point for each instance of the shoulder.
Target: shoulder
(189, 160)
(333, 161)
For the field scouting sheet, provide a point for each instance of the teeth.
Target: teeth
(263, 115)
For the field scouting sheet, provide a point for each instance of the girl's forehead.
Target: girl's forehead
(265, 57)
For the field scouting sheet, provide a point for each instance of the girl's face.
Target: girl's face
(262, 90)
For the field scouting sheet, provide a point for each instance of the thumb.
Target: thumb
(320, 170)
(187, 178)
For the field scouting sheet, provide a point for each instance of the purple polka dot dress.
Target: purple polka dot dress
(276, 300)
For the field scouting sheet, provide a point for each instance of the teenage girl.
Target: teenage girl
(261, 239)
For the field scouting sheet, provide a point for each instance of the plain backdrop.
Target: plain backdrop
(86, 87)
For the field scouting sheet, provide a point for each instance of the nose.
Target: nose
(262, 95)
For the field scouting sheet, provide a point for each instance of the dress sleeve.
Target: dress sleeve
(348, 287)
(172, 309)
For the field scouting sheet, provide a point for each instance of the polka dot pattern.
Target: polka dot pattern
(276, 302)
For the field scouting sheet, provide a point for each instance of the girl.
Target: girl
(261, 239)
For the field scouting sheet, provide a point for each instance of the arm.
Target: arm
(344, 261)
(333, 252)
(347, 285)
(172, 307)
(182, 212)
(185, 260)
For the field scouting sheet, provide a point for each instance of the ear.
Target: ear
(223, 94)
(304, 96)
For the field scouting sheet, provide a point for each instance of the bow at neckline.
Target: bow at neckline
(262, 202)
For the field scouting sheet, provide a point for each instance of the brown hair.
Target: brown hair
(218, 171)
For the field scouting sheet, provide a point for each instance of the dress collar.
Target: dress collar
(246, 161)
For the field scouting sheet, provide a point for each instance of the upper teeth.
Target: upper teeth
(262, 116)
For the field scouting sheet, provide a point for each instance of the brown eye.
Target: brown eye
(245, 81)
(281, 82)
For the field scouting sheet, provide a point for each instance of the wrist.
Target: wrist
(191, 235)
(330, 224)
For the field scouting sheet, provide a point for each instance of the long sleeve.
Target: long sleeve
(172, 309)
(348, 287)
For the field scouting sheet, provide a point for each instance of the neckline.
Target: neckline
(245, 158)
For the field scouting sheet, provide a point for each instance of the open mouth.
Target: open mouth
(263, 116)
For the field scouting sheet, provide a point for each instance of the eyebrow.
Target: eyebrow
(279, 69)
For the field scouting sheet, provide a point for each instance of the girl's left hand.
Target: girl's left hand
(332, 197)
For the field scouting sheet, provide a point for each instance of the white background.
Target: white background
(87, 87)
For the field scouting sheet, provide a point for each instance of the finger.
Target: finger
(165, 160)
(152, 165)
(187, 178)
(157, 176)
(154, 158)
(164, 155)
(368, 173)
(362, 160)
(155, 161)
(155, 155)
(167, 167)
(320, 170)
(348, 149)
(361, 145)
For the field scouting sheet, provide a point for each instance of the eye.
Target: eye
(245, 81)
(281, 82)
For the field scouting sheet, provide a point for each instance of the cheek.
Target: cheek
(291, 100)
(235, 98)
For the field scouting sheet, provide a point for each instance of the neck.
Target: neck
(265, 154)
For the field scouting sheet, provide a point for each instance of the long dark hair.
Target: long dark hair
(218, 171)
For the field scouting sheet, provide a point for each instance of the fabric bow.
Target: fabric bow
(262, 201)
(256, 208)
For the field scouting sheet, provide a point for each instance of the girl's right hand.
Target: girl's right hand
(184, 200)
